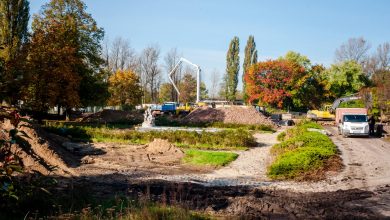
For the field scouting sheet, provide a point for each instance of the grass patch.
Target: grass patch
(212, 158)
(237, 139)
(302, 153)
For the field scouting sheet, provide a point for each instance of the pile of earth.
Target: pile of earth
(35, 153)
(234, 115)
(114, 116)
(162, 152)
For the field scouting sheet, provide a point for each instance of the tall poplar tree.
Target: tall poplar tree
(250, 58)
(232, 69)
(14, 17)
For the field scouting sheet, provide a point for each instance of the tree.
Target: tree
(381, 91)
(309, 83)
(273, 82)
(250, 58)
(232, 69)
(354, 50)
(380, 61)
(187, 88)
(171, 59)
(85, 37)
(125, 89)
(52, 77)
(121, 56)
(297, 58)
(14, 17)
(345, 78)
(165, 92)
(150, 71)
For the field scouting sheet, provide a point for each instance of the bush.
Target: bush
(300, 152)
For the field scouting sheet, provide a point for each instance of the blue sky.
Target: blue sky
(202, 29)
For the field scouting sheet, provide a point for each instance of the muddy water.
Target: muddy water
(250, 202)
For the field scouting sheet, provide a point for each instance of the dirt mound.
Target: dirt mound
(36, 153)
(234, 114)
(161, 151)
(112, 116)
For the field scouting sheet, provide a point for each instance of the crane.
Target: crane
(197, 77)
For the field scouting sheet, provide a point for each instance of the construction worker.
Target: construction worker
(371, 124)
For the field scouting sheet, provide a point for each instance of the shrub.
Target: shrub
(300, 152)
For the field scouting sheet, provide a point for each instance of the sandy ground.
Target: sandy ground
(366, 166)
(248, 169)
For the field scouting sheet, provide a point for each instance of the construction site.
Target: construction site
(171, 110)
(109, 161)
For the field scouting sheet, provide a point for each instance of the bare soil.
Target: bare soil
(233, 114)
(36, 153)
(361, 190)
(112, 116)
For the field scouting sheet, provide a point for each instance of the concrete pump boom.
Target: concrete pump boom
(197, 77)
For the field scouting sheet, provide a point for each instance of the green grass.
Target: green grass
(237, 139)
(212, 158)
(301, 152)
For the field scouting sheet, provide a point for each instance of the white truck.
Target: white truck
(352, 121)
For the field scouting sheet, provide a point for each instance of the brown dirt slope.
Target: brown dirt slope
(36, 153)
(234, 114)
(109, 116)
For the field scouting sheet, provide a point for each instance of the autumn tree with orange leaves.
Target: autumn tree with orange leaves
(274, 82)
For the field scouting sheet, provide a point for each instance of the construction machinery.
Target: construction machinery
(327, 113)
(197, 77)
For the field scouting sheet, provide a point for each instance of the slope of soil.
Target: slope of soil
(112, 116)
(35, 152)
(234, 114)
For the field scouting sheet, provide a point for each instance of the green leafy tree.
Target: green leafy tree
(250, 58)
(14, 17)
(297, 58)
(308, 83)
(345, 78)
(232, 69)
(85, 36)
